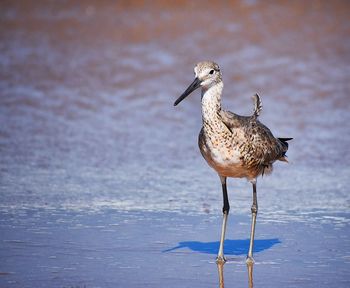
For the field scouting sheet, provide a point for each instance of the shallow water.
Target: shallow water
(42, 248)
(86, 103)
(87, 116)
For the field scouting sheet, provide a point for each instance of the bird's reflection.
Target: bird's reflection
(250, 267)
(221, 274)
(232, 247)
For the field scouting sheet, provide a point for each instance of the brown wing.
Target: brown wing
(257, 144)
(268, 148)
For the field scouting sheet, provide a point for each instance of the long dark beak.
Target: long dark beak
(194, 85)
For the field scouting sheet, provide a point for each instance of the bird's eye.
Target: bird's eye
(211, 71)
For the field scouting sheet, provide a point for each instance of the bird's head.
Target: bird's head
(207, 74)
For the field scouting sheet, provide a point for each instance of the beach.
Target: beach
(101, 180)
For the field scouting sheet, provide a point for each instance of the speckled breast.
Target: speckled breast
(223, 157)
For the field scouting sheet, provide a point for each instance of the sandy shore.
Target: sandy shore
(118, 249)
(89, 131)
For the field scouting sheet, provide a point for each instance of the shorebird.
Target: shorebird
(233, 145)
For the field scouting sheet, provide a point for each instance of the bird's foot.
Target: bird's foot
(220, 259)
(249, 260)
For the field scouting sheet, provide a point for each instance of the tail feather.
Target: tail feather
(284, 141)
(285, 146)
(257, 105)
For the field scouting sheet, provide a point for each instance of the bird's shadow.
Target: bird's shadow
(231, 247)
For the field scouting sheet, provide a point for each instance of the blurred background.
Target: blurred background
(86, 103)
(91, 144)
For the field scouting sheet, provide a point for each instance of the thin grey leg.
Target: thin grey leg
(254, 210)
(225, 211)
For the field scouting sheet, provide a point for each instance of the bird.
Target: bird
(233, 145)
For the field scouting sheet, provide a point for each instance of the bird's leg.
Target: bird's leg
(254, 210)
(225, 210)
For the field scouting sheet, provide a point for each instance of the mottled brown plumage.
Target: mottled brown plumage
(233, 145)
(257, 146)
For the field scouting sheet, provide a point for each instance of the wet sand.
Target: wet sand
(100, 174)
(43, 248)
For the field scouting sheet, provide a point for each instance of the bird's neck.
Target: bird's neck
(211, 103)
